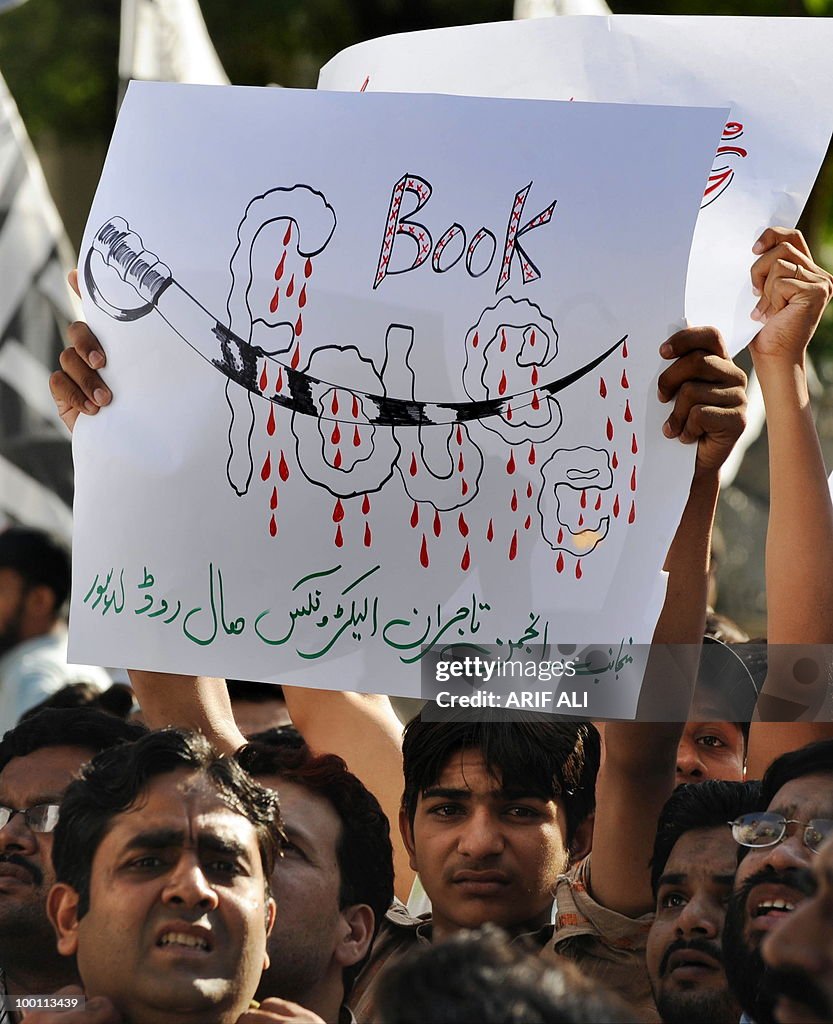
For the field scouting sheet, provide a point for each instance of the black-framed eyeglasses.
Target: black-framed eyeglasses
(758, 830)
(40, 818)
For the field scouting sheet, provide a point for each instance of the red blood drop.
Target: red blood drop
(296, 357)
(632, 513)
(270, 424)
(624, 380)
(339, 537)
(474, 340)
(308, 268)
(273, 526)
(283, 469)
(357, 437)
(334, 406)
(583, 499)
(513, 504)
(634, 445)
(288, 234)
(459, 434)
(264, 379)
(609, 430)
(415, 516)
(598, 504)
(527, 522)
(578, 570)
(581, 520)
(531, 457)
(279, 267)
(335, 437)
(602, 387)
(337, 459)
(625, 349)
(368, 536)
(275, 301)
(438, 526)
(559, 565)
(509, 412)
(615, 462)
(534, 376)
(616, 507)
(355, 407)
(460, 464)
(536, 405)
(279, 385)
(633, 479)
(510, 465)
(628, 414)
(490, 532)
(299, 325)
(302, 298)
(532, 338)
(513, 546)
(501, 388)
(466, 560)
(365, 505)
(273, 501)
(560, 536)
(338, 511)
(266, 470)
(423, 553)
(464, 487)
(503, 341)
(529, 490)
(463, 526)
(413, 467)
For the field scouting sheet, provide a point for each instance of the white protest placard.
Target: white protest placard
(775, 74)
(385, 377)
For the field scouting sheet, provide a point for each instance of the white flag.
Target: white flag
(35, 254)
(167, 41)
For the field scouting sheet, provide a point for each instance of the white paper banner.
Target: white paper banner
(774, 73)
(385, 375)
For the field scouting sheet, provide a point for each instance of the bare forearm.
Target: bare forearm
(191, 702)
(799, 547)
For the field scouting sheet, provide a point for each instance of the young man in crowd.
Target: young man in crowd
(692, 873)
(163, 858)
(333, 883)
(34, 584)
(38, 760)
(775, 847)
(798, 953)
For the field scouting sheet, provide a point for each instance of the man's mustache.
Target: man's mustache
(799, 987)
(22, 862)
(792, 877)
(711, 949)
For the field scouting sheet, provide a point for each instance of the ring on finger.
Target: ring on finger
(797, 274)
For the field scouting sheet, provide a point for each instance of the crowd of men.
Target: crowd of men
(179, 852)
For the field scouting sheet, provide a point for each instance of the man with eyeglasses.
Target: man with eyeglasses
(776, 848)
(38, 760)
(799, 952)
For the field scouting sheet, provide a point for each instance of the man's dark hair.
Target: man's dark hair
(482, 976)
(83, 727)
(115, 700)
(812, 759)
(364, 851)
(41, 558)
(258, 693)
(707, 804)
(552, 758)
(725, 685)
(116, 778)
